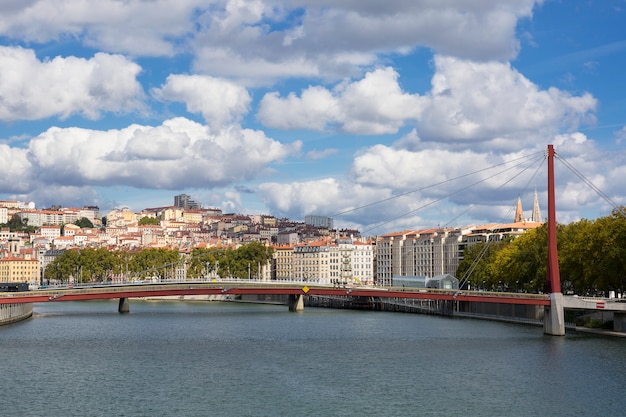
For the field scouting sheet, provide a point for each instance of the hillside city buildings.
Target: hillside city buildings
(311, 250)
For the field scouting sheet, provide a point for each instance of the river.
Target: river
(228, 359)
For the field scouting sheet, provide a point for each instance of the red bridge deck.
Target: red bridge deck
(262, 288)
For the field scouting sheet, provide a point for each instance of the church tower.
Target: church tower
(536, 216)
(519, 213)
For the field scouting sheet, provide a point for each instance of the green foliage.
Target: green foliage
(592, 258)
(16, 224)
(149, 221)
(84, 222)
(159, 263)
(64, 266)
(226, 262)
(95, 265)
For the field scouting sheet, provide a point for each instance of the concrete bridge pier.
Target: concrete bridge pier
(123, 306)
(296, 302)
(619, 322)
(553, 316)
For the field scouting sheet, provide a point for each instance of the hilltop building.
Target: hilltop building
(184, 201)
(319, 221)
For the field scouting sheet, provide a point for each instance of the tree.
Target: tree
(592, 258)
(64, 266)
(476, 265)
(84, 222)
(96, 264)
(17, 224)
(205, 261)
(148, 221)
(154, 262)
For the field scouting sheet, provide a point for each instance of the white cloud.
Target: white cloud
(219, 101)
(32, 89)
(324, 196)
(133, 26)
(231, 202)
(270, 39)
(335, 39)
(478, 102)
(16, 169)
(175, 155)
(314, 110)
(431, 186)
(66, 195)
(372, 105)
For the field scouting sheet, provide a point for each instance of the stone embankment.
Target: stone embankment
(11, 313)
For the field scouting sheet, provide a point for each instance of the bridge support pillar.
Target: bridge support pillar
(296, 302)
(619, 322)
(123, 306)
(553, 316)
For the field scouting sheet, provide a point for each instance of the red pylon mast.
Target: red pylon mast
(553, 278)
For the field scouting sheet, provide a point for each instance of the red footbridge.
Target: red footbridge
(296, 291)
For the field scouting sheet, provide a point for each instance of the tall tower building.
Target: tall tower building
(519, 213)
(184, 201)
(536, 216)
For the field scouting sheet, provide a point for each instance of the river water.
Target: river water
(227, 359)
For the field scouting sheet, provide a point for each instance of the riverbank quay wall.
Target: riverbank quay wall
(498, 311)
(12, 313)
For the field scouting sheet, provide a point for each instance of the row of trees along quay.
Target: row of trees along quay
(101, 265)
(592, 259)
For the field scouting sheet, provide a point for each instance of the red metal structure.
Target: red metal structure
(553, 278)
(553, 320)
(269, 288)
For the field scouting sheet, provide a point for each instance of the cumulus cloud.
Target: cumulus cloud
(17, 174)
(32, 89)
(469, 101)
(219, 101)
(367, 208)
(175, 155)
(270, 39)
(335, 39)
(324, 196)
(400, 188)
(478, 101)
(135, 26)
(373, 105)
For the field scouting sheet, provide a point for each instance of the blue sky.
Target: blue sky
(370, 112)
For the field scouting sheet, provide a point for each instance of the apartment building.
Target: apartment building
(4, 215)
(389, 251)
(283, 263)
(18, 269)
(19, 264)
(327, 261)
(432, 252)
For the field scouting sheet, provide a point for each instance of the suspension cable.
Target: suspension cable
(454, 192)
(588, 182)
(436, 184)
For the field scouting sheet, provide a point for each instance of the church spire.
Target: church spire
(519, 214)
(536, 216)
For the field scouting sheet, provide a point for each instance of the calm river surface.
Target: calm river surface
(225, 359)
